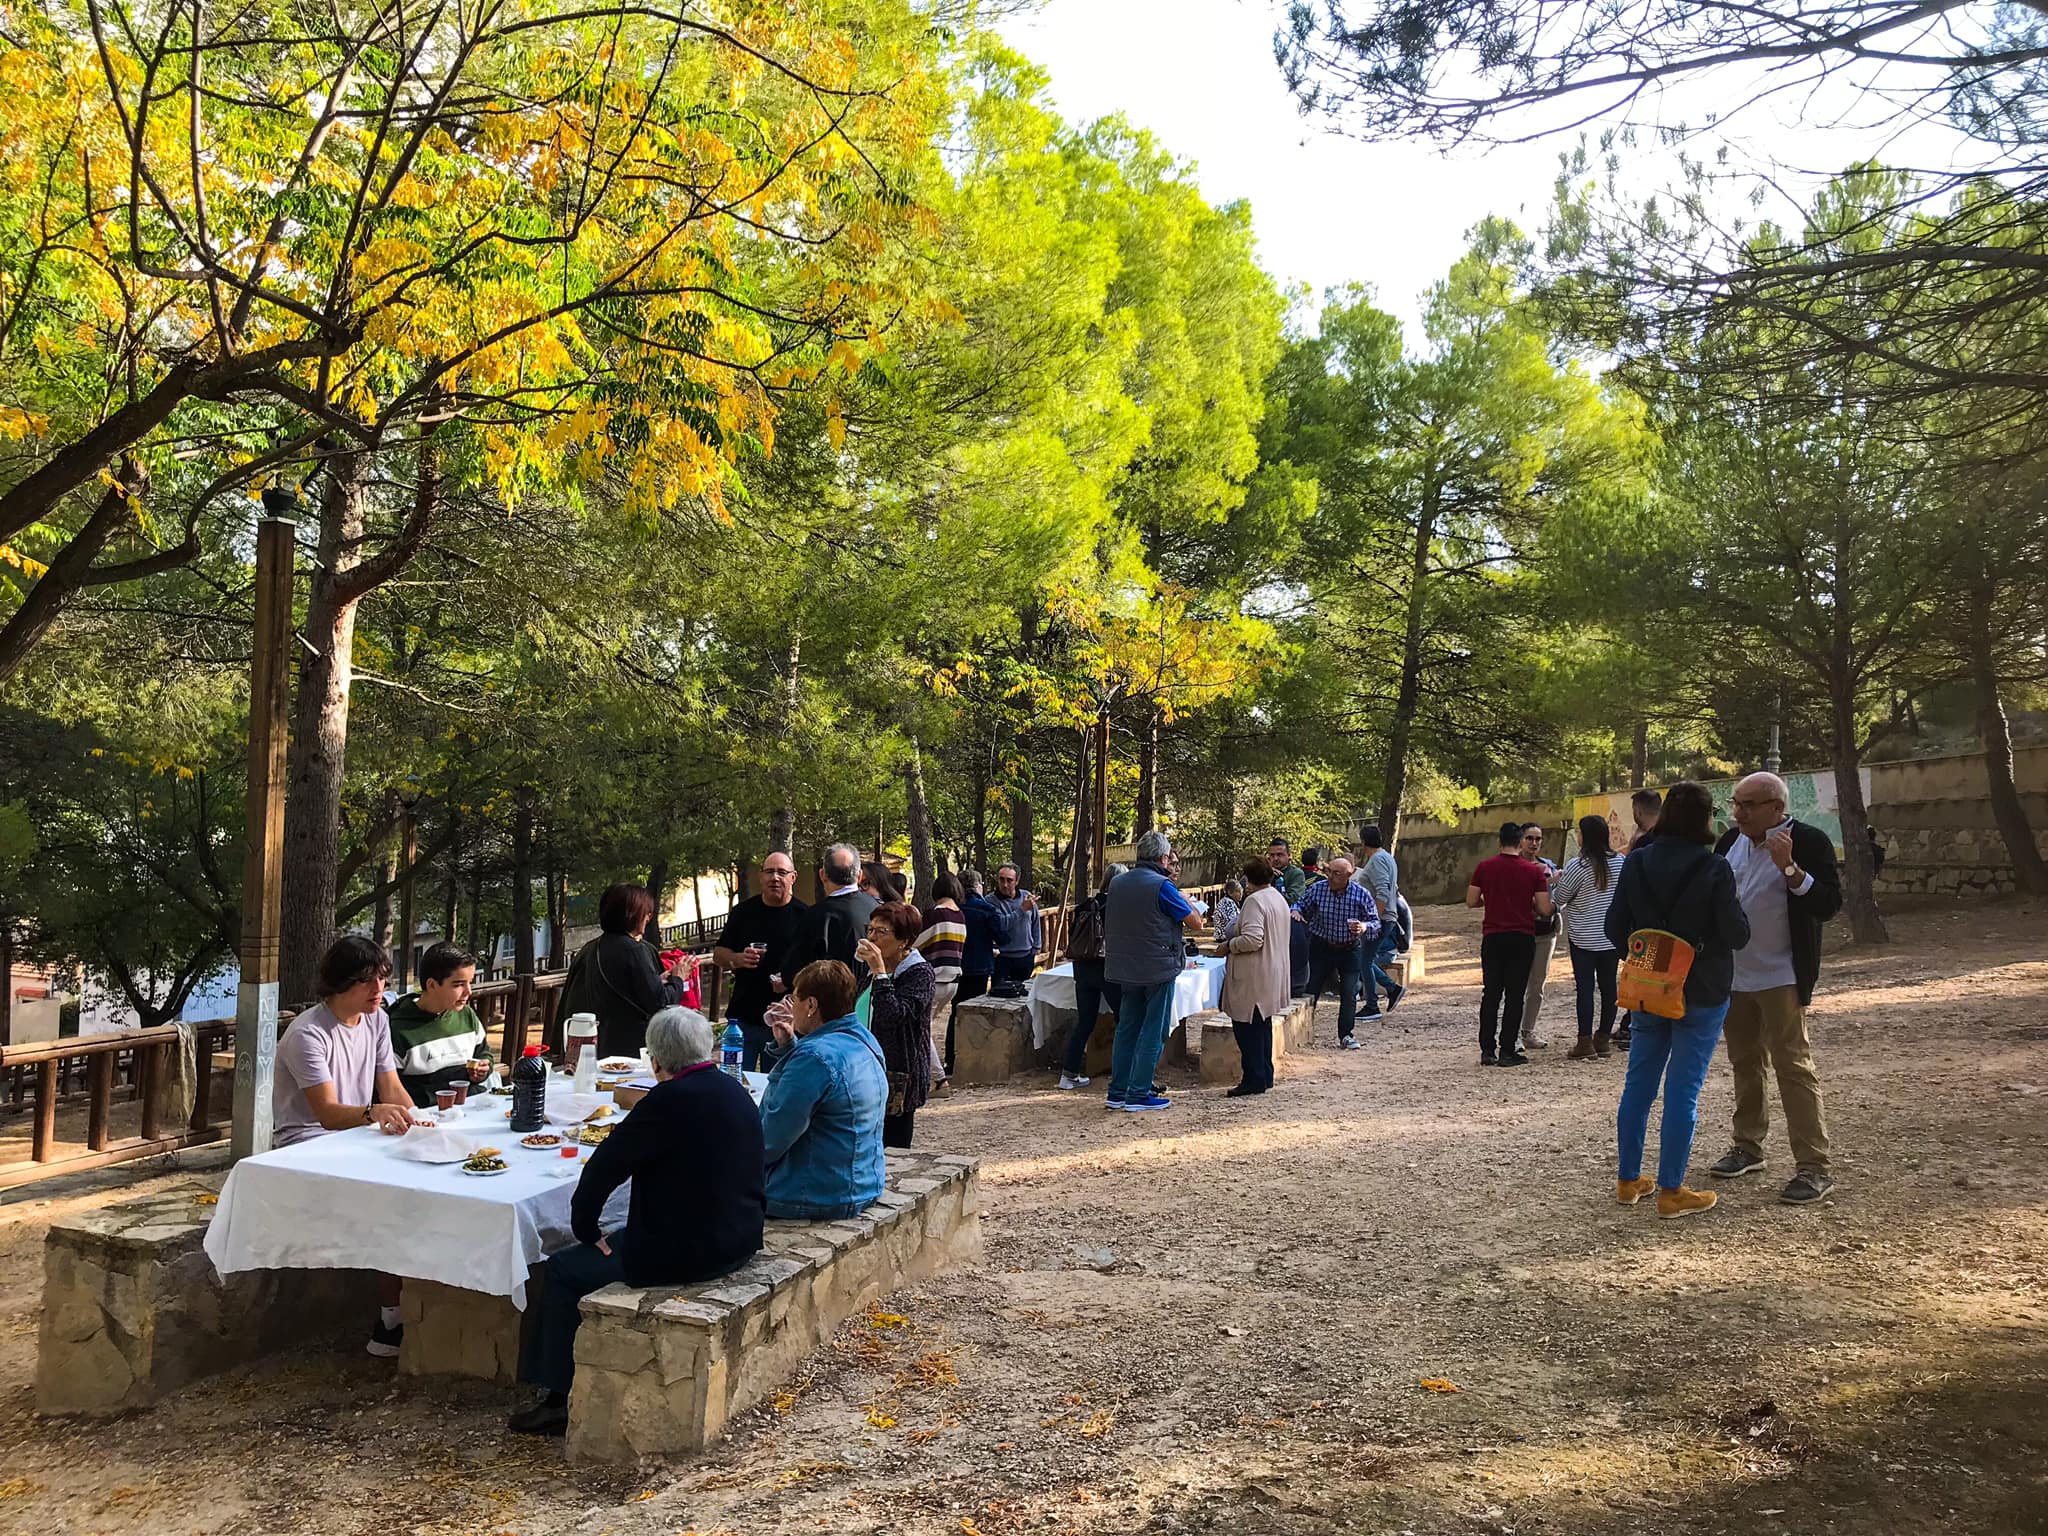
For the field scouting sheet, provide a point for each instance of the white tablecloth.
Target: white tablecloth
(1199, 987)
(347, 1201)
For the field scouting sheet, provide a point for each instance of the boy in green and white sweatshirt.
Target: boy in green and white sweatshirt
(435, 1034)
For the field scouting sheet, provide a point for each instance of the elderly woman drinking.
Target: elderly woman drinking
(899, 994)
(692, 1148)
(821, 1118)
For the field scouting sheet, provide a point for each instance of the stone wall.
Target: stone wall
(1933, 815)
(132, 1308)
(662, 1371)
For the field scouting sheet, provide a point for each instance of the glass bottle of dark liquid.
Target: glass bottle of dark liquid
(529, 1091)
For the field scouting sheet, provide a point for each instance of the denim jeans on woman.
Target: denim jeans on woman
(1595, 969)
(1686, 1047)
(1090, 993)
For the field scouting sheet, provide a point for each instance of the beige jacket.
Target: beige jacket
(1255, 974)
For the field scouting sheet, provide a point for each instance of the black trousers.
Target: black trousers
(970, 987)
(1255, 1046)
(549, 1359)
(1297, 958)
(1015, 967)
(896, 1128)
(1091, 992)
(1338, 962)
(1504, 961)
(1595, 969)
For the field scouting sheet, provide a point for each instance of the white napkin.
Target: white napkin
(577, 1108)
(435, 1144)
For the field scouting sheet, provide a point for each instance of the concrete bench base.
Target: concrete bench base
(1214, 1042)
(453, 1332)
(992, 1040)
(662, 1371)
(132, 1308)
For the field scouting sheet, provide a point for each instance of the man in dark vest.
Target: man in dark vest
(1143, 945)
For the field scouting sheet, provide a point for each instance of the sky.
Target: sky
(1326, 209)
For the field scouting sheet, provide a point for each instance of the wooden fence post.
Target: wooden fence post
(262, 871)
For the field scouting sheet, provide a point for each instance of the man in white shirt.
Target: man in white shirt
(1789, 885)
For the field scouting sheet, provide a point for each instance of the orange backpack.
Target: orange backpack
(1653, 971)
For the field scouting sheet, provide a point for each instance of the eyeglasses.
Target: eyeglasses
(1751, 805)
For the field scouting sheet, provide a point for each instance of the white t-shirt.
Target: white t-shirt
(319, 1048)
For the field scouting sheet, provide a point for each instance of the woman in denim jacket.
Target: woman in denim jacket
(821, 1119)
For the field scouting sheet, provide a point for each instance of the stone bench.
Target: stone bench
(663, 1370)
(132, 1308)
(1213, 1043)
(992, 1040)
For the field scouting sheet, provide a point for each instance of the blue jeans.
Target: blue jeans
(1687, 1046)
(1376, 978)
(1141, 1019)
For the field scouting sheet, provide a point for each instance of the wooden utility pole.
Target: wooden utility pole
(409, 851)
(262, 873)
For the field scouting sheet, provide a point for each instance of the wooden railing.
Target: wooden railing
(137, 1059)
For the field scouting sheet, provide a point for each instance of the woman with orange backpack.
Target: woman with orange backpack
(1678, 923)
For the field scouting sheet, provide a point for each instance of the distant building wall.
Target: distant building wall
(1933, 815)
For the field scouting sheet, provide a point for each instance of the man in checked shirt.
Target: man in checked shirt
(1338, 913)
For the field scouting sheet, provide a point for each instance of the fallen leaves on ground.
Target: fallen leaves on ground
(18, 1487)
(1440, 1384)
(932, 1371)
(1098, 1424)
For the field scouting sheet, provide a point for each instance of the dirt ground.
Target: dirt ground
(1281, 1275)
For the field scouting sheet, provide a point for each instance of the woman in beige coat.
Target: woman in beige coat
(1255, 976)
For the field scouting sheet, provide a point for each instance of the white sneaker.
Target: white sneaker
(1069, 1081)
(1536, 1042)
(1349, 1043)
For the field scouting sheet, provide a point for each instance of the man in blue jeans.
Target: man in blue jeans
(1142, 932)
(1382, 878)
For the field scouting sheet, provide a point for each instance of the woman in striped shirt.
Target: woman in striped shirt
(1582, 894)
(942, 944)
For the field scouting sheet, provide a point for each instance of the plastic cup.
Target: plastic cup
(461, 1092)
(444, 1099)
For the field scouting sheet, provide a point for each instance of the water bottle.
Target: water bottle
(732, 1049)
(529, 1092)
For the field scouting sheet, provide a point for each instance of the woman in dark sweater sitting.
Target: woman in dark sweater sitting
(899, 1012)
(617, 976)
(694, 1151)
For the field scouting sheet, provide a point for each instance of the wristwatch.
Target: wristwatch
(366, 1114)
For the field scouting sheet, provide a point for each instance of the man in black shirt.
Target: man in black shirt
(754, 947)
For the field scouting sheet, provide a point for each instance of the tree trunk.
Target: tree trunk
(919, 816)
(980, 849)
(1147, 813)
(1408, 697)
(6, 981)
(782, 821)
(1023, 836)
(312, 807)
(2008, 812)
(475, 941)
(657, 887)
(1859, 873)
(558, 919)
(380, 922)
(522, 884)
(1084, 820)
(1639, 756)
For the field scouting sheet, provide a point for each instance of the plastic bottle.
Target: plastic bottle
(586, 1069)
(732, 1050)
(529, 1091)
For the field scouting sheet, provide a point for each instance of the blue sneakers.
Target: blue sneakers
(1148, 1102)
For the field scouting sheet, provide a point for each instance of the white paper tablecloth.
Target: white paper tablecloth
(347, 1201)
(1197, 989)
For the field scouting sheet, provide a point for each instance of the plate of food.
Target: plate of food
(592, 1135)
(618, 1064)
(541, 1141)
(484, 1162)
